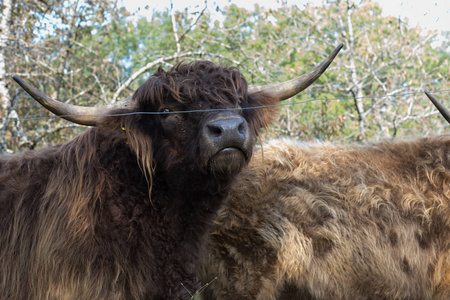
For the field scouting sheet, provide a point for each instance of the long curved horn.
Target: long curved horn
(287, 89)
(82, 115)
(444, 112)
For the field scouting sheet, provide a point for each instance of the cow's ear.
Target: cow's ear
(260, 110)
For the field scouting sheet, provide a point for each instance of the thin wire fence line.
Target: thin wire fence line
(228, 109)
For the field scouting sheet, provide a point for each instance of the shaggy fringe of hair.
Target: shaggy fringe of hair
(188, 81)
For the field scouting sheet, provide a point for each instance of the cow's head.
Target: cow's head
(195, 118)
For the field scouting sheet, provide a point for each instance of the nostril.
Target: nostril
(214, 130)
(241, 128)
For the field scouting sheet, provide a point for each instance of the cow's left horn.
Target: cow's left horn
(82, 115)
(286, 90)
(444, 112)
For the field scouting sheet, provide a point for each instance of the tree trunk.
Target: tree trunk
(8, 113)
(5, 33)
(357, 89)
(5, 102)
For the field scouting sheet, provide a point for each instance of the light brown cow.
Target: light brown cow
(325, 221)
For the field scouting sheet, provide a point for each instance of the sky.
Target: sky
(428, 14)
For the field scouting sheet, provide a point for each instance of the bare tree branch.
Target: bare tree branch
(195, 22)
(174, 28)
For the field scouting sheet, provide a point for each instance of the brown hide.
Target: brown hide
(321, 221)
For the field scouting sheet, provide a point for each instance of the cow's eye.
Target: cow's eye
(165, 112)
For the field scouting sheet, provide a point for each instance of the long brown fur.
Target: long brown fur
(121, 211)
(323, 221)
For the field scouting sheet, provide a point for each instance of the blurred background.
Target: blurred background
(96, 52)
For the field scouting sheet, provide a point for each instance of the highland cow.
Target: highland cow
(325, 221)
(121, 211)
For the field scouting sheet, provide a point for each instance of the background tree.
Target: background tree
(95, 52)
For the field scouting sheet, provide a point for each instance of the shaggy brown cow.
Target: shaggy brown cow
(121, 211)
(325, 221)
